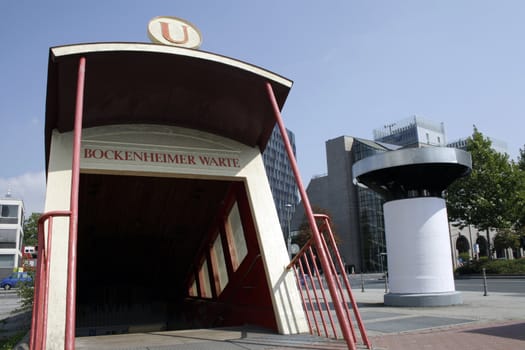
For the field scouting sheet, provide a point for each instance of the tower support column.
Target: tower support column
(419, 258)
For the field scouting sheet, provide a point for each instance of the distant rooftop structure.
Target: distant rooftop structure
(497, 145)
(412, 132)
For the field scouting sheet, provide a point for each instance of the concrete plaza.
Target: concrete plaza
(495, 321)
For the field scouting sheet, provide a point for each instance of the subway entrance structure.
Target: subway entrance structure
(158, 211)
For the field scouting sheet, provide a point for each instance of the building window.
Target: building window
(8, 214)
(8, 235)
(192, 291)
(7, 261)
(204, 280)
(219, 265)
(7, 245)
(9, 211)
(235, 237)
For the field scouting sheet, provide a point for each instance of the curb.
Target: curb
(479, 276)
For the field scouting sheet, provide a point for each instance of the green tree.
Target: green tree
(26, 290)
(31, 229)
(305, 232)
(506, 239)
(521, 159)
(520, 205)
(492, 196)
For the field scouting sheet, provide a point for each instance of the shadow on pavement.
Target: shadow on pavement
(14, 324)
(513, 331)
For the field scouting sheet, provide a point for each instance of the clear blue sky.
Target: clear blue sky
(356, 65)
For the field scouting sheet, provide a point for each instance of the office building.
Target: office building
(412, 132)
(357, 212)
(497, 145)
(11, 234)
(281, 177)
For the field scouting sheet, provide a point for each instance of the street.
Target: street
(9, 301)
(499, 284)
(11, 322)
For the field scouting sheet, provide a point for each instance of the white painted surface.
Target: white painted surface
(58, 198)
(418, 246)
(285, 295)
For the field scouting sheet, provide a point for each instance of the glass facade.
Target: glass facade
(281, 178)
(372, 227)
(370, 207)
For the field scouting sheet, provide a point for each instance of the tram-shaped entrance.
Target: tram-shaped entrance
(163, 253)
(176, 227)
(158, 212)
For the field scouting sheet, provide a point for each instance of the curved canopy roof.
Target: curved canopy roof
(128, 83)
(412, 171)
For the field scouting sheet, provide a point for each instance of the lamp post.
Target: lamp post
(289, 235)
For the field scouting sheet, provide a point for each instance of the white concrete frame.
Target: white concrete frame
(286, 299)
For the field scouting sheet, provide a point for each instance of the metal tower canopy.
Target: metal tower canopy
(413, 172)
(128, 83)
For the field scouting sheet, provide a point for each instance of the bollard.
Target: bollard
(484, 283)
(386, 282)
(362, 283)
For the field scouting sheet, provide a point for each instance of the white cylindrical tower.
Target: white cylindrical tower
(418, 249)
(419, 257)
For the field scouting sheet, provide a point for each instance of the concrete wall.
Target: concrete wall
(336, 193)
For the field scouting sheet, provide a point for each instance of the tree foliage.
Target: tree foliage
(31, 229)
(521, 159)
(490, 196)
(521, 195)
(305, 233)
(506, 239)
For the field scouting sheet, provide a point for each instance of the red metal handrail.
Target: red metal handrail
(73, 222)
(38, 333)
(307, 286)
(39, 317)
(317, 243)
(357, 314)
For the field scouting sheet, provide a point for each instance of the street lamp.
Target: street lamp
(289, 236)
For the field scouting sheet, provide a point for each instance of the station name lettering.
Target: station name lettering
(161, 157)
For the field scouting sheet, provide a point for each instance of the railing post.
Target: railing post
(327, 305)
(484, 282)
(36, 318)
(73, 221)
(38, 332)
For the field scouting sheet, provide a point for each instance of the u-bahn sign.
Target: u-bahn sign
(174, 31)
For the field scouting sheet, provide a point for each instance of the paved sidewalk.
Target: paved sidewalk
(496, 321)
(484, 336)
